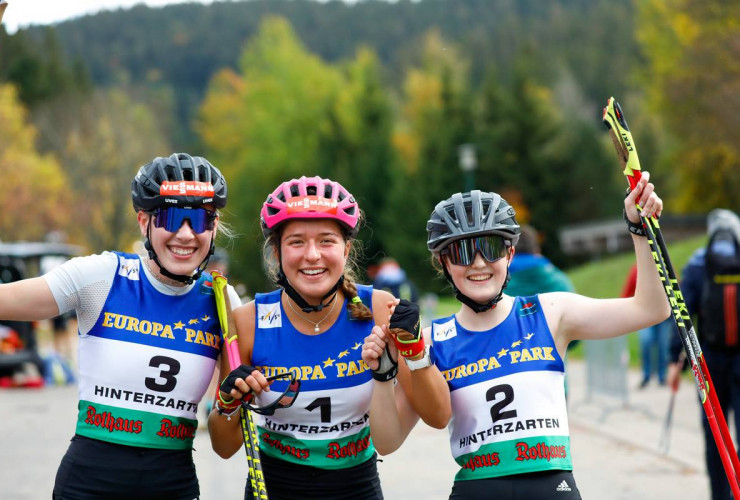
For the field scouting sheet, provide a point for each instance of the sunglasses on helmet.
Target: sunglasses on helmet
(462, 252)
(290, 385)
(172, 218)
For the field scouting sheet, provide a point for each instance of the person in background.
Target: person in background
(149, 338)
(393, 279)
(709, 283)
(531, 272)
(654, 339)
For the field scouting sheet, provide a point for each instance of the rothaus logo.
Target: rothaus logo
(186, 188)
(311, 204)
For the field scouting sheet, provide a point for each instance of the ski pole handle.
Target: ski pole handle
(228, 327)
(623, 142)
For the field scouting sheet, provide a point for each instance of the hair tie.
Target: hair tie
(356, 300)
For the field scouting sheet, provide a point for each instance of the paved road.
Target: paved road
(614, 447)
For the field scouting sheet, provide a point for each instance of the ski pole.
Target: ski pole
(625, 146)
(3, 6)
(664, 442)
(251, 439)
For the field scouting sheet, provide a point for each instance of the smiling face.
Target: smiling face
(180, 252)
(313, 256)
(481, 280)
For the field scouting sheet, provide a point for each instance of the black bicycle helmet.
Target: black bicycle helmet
(465, 215)
(179, 180)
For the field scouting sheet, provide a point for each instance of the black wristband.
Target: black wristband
(635, 228)
(387, 369)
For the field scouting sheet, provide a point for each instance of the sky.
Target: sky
(22, 13)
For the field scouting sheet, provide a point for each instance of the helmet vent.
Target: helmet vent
(311, 190)
(451, 212)
(294, 190)
(280, 196)
(486, 209)
(327, 191)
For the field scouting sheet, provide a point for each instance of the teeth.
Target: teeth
(182, 251)
(479, 278)
(312, 272)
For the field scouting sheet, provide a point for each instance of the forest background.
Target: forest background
(379, 96)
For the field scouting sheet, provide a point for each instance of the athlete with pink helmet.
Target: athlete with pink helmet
(313, 325)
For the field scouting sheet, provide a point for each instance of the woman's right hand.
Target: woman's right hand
(242, 381)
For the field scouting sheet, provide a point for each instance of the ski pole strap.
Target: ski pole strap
(387, 369)
(635, 228)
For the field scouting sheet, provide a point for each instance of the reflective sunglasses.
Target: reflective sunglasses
(172, 218)
(462, 252)
(285, 400)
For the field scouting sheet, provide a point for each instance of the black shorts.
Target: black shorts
(97, 469)
(558, 484)
(289, 481)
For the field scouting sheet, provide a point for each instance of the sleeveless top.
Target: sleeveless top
(507, 389)
(147, 361)
(328, 425)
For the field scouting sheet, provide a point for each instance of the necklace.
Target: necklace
(315, 324)
(171, 285)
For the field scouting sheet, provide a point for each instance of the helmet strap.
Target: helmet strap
(182, 278)
(476, 306)
(302, 303)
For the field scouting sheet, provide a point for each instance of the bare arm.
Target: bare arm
(427, 391)
(27, 300)
(573, 316)
(226, 436)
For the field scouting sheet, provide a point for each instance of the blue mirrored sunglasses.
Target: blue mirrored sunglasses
(172, 218)
(462, 252)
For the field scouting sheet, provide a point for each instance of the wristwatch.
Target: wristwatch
(417, 364)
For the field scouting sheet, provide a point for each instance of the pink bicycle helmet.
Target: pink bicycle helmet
(310, 198)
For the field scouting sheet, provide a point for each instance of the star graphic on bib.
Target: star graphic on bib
(179, 325)
(343, 354)
(514, 344)
(502, 352)
(328, 362)
(529, 336)
(206, 317)
(356, 346)
(193, 321)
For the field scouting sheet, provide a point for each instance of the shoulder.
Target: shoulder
(246, 312)
(381, 310)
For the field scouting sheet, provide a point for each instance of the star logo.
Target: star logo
(529, 336)
(179, 325)
(343, 354)
(356, 346)
(328, 362)
(193, 321)
(518, 342)
(206, 317)
(502, 352)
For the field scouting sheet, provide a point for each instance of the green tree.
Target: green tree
(692, 75)
(35, 189)
(264, 126)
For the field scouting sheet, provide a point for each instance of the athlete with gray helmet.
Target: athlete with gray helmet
(501, 357)
(149, 338)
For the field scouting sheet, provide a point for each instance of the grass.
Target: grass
(604, 278)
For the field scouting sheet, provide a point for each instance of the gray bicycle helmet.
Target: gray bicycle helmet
(464, 215)
(179, 180)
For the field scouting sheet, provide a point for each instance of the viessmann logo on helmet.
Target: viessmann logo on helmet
(311, 204)
(186, 188)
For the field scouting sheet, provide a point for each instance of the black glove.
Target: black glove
(406, 318)
(242, 371)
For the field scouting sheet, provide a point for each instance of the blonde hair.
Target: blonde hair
(357, 309)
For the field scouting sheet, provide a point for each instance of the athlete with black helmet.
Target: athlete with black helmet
(149, 338)
(501, 357)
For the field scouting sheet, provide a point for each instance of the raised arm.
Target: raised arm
(573, 316)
